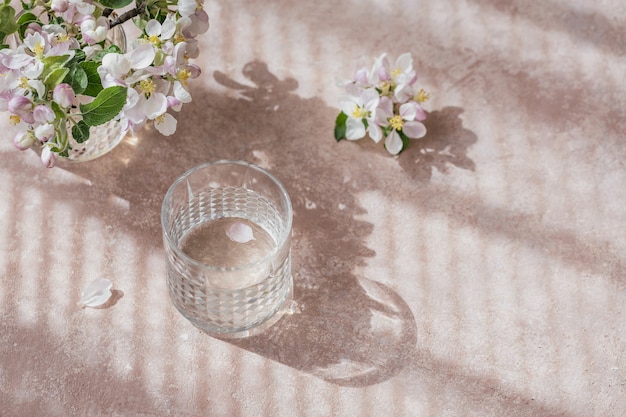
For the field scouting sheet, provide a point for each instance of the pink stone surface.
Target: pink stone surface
(480, 273)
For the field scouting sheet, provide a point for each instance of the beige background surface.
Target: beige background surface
(481, 273)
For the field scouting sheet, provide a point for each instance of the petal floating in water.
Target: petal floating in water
(96, 293)
(240, 233)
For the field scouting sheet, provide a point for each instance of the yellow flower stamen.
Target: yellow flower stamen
(14, 120)
(63, 37)
(154, 39)
(160, 119)
(396, 72)
(147, 86)
(183, 75)
(359, 113)
(179, 38)
(385, 88)
(38, 49)
(24, 83)
(422, 96)
(396, 122)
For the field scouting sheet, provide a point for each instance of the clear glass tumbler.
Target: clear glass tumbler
(227, 234)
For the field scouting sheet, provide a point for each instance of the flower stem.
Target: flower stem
(141, 7)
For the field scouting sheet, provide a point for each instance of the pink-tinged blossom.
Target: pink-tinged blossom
(60, 6)
(22, 107)
(77, 10)
(194, 24)
(43, 114)
(174, 103)
(63, 95)
(15, 61)
(94, 30)
(23, 140)
(48, 157)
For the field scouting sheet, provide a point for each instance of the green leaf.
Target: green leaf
(79, 56)
(115, 4)
(7, 20)
(405, 141)
(58, 113)
(112, 49)
(340, 126)
(25, 20)
(55, 78)
(94, 83)
(53, 63)
(108, 103)
(77, 79)
(80, 131)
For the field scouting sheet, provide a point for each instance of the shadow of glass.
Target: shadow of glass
(347, 330)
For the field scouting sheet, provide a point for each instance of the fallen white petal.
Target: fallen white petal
(96, 293)
(240, 233)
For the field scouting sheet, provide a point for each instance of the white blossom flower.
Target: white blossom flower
(405, 122)
(165, 124)
(361, 106)
(158, 32)
(116, 67)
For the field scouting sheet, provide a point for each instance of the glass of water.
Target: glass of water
(227, 235)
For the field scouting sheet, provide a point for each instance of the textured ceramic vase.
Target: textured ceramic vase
(102, 139)
(107, 136)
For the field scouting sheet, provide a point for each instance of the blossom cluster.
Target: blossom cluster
(383, 102)
(63, 74)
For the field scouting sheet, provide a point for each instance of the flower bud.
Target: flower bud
(23, 140)
(44, 132)
(48, 157)
(43, 114)
(94, 31)
(23, 107)
(187, 7)
(59, 6)
(63, 95)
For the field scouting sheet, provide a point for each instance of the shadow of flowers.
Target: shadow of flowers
(446, 144)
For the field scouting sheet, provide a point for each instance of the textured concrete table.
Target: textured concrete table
(480, 273)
